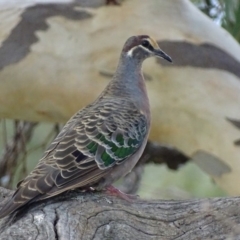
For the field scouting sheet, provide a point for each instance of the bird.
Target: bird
(100, 143)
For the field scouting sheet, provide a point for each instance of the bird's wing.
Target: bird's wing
(93, 141)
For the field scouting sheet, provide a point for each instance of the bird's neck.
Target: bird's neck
(128, 78)
(128, 82)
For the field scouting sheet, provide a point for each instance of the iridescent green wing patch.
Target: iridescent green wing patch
(113, 152)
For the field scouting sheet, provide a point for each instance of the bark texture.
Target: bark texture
(98, 216)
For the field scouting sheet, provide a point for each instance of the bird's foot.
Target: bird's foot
(111, 190)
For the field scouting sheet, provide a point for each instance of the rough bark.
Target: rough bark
(99, 216)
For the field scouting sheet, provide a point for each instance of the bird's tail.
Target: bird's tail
(17, 201)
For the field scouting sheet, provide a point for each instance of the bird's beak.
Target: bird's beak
(161, 54)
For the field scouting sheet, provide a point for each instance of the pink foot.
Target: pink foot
(116, 192)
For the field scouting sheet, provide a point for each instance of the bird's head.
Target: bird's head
(142, 47)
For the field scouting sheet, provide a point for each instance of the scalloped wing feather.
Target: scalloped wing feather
(95, 139)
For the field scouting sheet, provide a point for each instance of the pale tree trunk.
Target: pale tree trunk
(56, 58)
(99, 216)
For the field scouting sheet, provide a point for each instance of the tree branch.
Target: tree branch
(98, 216)
(13, 149)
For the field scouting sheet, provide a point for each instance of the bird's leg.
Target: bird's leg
(111, 190)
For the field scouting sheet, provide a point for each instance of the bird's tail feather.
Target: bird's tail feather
(17, 201)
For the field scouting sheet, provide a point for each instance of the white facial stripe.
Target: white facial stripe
(145, 48)
(130, 52)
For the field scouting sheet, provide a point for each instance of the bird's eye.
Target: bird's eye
(146, 43)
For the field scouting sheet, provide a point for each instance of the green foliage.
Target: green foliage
(224, 12)
(231, 20)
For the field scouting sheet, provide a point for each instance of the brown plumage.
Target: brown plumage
(101, 142)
